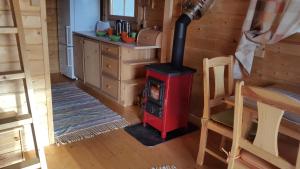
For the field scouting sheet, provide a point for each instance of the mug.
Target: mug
(133, 34)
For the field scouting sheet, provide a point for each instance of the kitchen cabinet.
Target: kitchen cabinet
(123, 72)
(115, 70)
(92, 63)
(78, 57)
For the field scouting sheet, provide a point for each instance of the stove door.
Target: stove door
(155, 91)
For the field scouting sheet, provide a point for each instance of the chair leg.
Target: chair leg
(203, 141)
(298, 158)
(223, 143)
(230, 163)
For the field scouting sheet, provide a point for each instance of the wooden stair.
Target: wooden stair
(16, 121)
(29, 164)
(11, 122)
(6, 76)
(8, 30)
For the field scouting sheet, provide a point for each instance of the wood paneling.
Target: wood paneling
(12, 96)
(218, 34)
(79, 57)
(155, 13)
(52, 35)
(280, 64)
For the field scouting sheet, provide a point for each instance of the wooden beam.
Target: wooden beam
(47, 71)
(167, 31)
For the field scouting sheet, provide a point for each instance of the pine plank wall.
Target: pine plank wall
(52, 35)
(218, 34)
(12, 96)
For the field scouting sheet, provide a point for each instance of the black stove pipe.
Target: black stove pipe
(179, 40)
(195, 11)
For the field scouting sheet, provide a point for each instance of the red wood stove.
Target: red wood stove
(168, 86)
(167, 101)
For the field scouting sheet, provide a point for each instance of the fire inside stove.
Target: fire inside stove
(155, 90)
(155, 96)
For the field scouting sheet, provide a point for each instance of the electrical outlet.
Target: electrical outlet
(35, 2)
(260, 51)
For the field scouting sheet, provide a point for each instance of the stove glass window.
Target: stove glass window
(155, 90)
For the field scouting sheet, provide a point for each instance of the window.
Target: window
(125, 8)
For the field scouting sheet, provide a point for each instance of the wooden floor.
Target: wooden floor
(118, 150)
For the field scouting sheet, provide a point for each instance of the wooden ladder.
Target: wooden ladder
(24, 74)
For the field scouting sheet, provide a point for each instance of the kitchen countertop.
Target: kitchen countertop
(92, 35)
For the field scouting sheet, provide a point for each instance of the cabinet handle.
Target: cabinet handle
(108, 66)
(108, 86)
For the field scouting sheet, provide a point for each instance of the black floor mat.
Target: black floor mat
(149, 136)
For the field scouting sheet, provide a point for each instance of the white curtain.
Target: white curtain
(267, 22)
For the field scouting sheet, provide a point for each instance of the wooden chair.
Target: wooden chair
(263, 151)
(221, 122)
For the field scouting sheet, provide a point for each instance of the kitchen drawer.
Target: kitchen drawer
(110, 50)
(110, 66)
(110, 87)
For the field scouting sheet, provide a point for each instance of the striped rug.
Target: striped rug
(78, 115)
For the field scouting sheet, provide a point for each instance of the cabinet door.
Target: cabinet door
(78, 57)
(92, 63)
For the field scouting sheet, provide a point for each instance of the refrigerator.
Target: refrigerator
(74, 15)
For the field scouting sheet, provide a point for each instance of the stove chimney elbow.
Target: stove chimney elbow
(194, 12)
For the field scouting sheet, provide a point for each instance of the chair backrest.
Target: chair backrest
(270, 108)
(218, 65)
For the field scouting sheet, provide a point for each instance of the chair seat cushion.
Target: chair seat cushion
(225, 117)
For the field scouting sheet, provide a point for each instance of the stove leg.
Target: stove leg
(164, 135)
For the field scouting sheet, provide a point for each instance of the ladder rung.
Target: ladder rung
(16, 121)
(12, 76)
(28, 164)
(8, 30)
